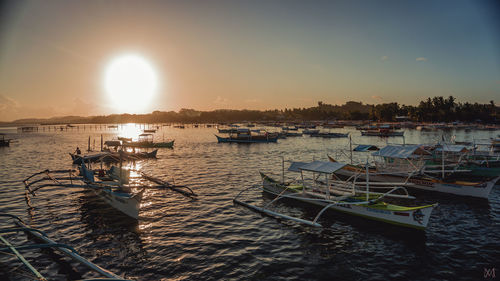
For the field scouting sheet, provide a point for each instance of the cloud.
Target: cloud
(83, 108)
(421, 59)
(221, 101)
(11, 110)
(377, 98)
(7, 103)
(252, 101)
(384, 58)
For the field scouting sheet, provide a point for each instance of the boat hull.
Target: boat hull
(127, 203)
(417, 217)
(169, 144)
(378, 134)
(247, 140)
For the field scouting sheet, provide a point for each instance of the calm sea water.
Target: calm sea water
(213, 239)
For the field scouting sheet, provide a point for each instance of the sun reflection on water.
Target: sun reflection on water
(130, 130)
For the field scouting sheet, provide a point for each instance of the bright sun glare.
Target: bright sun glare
(130, 82)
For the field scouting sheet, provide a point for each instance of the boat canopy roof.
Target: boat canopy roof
(365, 147)
(113, 143)
(401, 151)
(452, 148)
(323, 167)
(295, 166)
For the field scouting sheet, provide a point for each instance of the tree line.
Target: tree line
(436, 109)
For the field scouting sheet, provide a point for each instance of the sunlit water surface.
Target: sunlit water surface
(176, 238)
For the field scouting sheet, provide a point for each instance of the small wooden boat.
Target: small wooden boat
(310, 131)
(291, 133)
(146, 141)
(330, 135)
(343, 196)
(113, 157)
(4, 141)
(244, 135)
(227, 130)
(383, 133)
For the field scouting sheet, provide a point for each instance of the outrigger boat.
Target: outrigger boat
(112, 185)
(244, 135)
(382, 132)
(109, 186)
(329, 135)
(146, 141)
(394, 163)
(113, 157)
(4, 141)
(350, 196)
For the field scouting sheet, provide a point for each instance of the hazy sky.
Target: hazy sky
(247, 54)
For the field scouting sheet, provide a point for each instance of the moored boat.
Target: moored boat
(146, 141)
(382, 132)
(244, 135)
(396, 163)
(110, 186)
(329, 135)
(4, 141)
(346, 197)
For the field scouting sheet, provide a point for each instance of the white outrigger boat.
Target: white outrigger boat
(394, 163)
(110, 186)
(350, 197)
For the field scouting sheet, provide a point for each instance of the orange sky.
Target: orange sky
(229, 54)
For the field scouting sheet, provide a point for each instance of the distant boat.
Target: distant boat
(383, 133)
(245, 136)
(292, 134)
(310, 131)
(330, 135)
(150, 131)
(4, 142)
(228, 131)
(146, 141)
(112, 157)
(124, 139)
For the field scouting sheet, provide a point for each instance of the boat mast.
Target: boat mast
(282, 169)
(442, 157)
(350, 146)
(367, 180)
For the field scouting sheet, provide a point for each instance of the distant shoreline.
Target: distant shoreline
(431, 110)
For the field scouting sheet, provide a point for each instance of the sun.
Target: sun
(131, 82)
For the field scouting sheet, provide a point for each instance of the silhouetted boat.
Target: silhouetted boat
(246, 136)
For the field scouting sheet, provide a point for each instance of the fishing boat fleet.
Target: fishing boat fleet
(237, 134)
(366, 190)
(379, 189)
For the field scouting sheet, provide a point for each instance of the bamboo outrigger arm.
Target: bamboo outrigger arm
(177, 188)
(49, 244)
